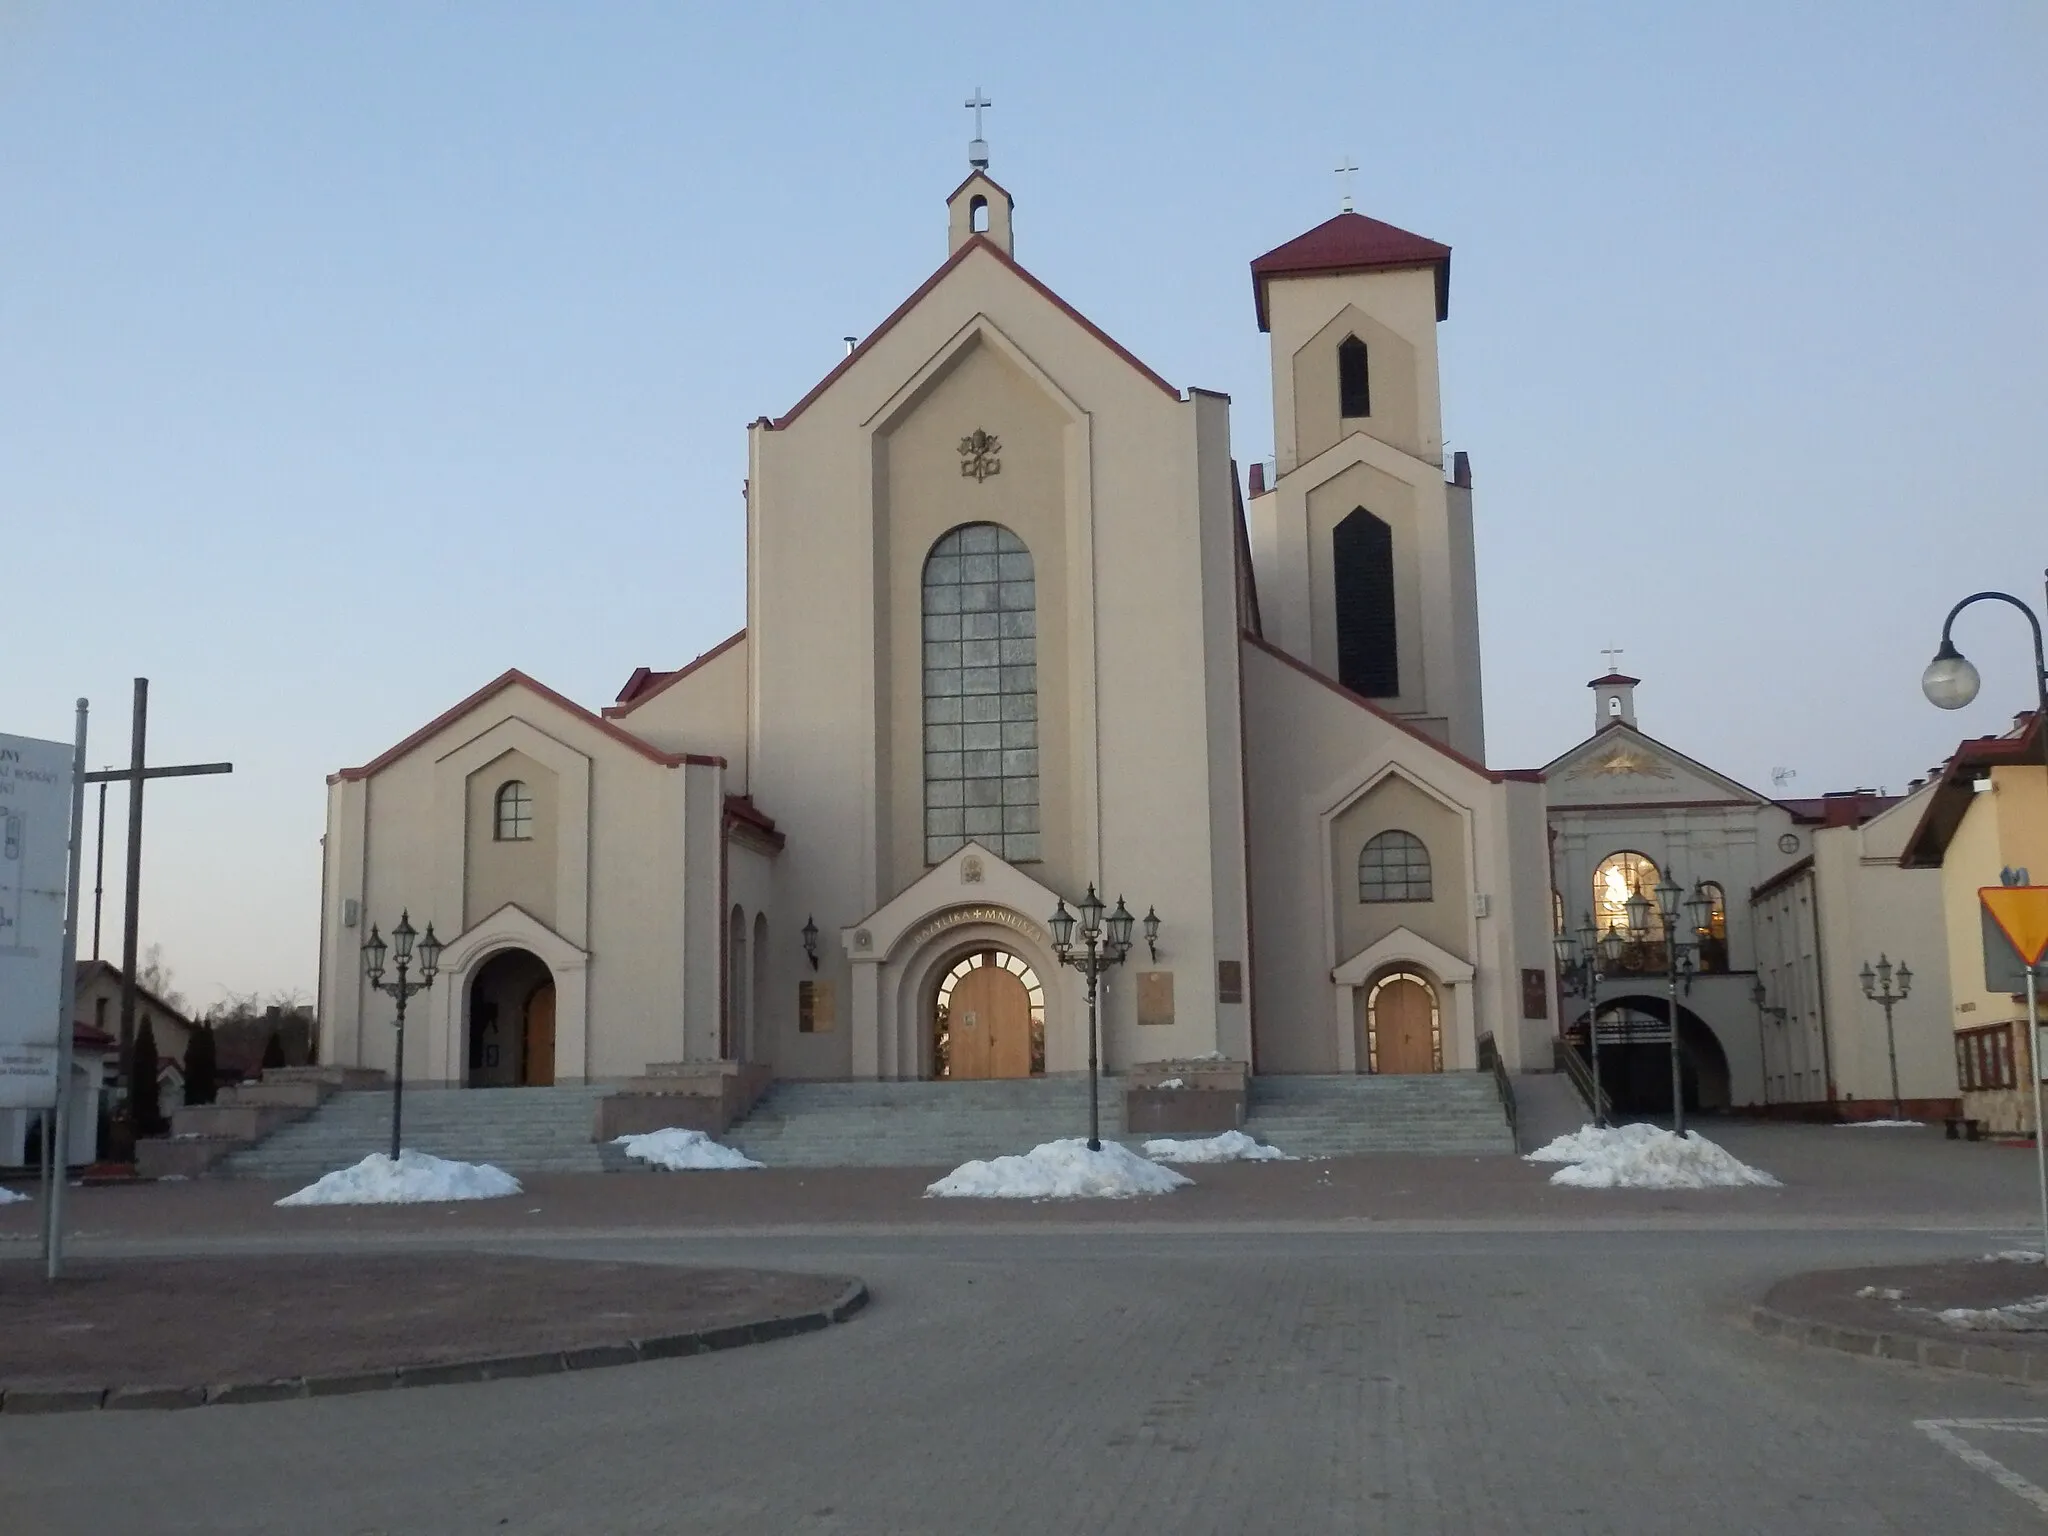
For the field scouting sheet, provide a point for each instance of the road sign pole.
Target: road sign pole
(2034, 1068)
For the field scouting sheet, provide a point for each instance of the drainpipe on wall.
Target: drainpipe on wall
(320, 973)
(1820, 982)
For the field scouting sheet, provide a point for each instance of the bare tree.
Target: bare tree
(154, 975)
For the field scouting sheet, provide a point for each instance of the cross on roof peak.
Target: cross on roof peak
(977, 149)
(1612, 653)
(1346, 169)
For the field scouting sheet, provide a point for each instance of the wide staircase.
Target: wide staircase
(918, 1124)
(522, 1130)
(1343, 1116)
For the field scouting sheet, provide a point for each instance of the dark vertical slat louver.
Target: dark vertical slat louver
(1368, 661)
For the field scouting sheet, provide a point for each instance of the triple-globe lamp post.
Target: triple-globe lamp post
(1582, 959)
(1105, 940)
(1950, 682)
(1877, 986)
(1680, 959)
(400, 988)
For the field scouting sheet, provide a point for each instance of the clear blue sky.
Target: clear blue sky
(350, 354)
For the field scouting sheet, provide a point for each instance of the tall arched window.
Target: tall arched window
(1354, 380)
(980, 694)
(1619, 877)
(1394, 866)
(1713, 936)
(513, 821)
(1362, 556)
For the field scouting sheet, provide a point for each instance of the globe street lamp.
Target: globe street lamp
(401, 949)
(1579, 970)
(1877, 986)
(1950, 682)
(1679, 962)
(1104, 943)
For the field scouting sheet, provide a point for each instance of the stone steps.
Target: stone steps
(522, 1130)
(1452, 1113)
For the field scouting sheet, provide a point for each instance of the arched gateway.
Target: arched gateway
(511, 1028)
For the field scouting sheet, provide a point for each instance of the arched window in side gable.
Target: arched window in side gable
(980, 694)
(1362, 557)
(1713, 937)
(513, 820)
(1354, 378)
(1394, 866)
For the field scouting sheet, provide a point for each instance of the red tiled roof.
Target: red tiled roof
(1614, 679)
(84, 1037)
(507, 679)
(978, 243)
(1953, 790)
(1849, 809)
(645, 682)
(741, 808)
(1351, 242)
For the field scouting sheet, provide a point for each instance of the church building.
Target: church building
(1015, 628)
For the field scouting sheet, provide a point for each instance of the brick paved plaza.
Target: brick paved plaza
(1550, 1370)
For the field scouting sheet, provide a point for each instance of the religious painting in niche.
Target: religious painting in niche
(989, 1019)
(1362, 558)
(1619, 877)
(980, 694)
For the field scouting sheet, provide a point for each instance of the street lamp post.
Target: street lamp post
(1579, 970)
(1678, 961)
(1104, 943)
(401, 948)
(1950, 682)
(1877, 986)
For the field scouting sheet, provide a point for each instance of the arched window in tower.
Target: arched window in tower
(1394, 866)
(1368, 658)
(980, 694)
(513, 821)
(1354, 379)
(1620, 877)
(977, 214)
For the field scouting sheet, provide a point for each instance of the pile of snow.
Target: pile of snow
(1644, 1157)
(1171, 1082)
(12, 1197)
(415, 1177)
(2014, 1256)
(1882, 1293)
(1061, 1170)
(683, 1151)
(1228, 1147)
(2015, 1317)
(1851, 1125)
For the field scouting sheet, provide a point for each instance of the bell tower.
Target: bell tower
(1363, 542)
(979, 206)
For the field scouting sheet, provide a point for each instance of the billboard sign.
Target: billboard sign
(35, 825)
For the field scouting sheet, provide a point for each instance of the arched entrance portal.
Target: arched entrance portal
(988, 1019)
(512, 1022)
(1402, 1022)
(1635, 1056)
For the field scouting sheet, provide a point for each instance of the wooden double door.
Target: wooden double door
(1404, 1026)
(537, 1042)
(988, 1026)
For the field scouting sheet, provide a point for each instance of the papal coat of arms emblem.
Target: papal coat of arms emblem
(978, 455)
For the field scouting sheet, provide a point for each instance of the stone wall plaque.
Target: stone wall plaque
(814, 1007)
(1535, 995)
(1155, 997)
(1229, 981)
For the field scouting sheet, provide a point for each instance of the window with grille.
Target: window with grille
(514, 822)
(1368, 658)
(1394, 866)
(1984, 1058)
(980, 694)
(1354, 379)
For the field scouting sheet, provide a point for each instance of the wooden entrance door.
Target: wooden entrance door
(988, 1025)
(538, 1056)
(1402, 1013)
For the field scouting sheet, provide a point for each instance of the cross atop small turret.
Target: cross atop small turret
(1612, 653)
(977, 150)
(1346, 169)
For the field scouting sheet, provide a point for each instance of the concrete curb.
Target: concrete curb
(1975, 1359)
(30, 1398)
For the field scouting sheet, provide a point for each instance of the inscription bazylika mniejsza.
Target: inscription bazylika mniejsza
(979, 452)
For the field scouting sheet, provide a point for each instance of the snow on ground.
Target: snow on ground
(1852, 1125)
(1061, 1170)
(2014, 1317)
(1173, 1082)
(683, 1151)
(1882, 1293)
(2014, 1256)
(13, 1197)
(416, 1176)
(1643, 1157)
(1228, 1147)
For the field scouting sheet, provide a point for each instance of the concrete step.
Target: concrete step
(1452, 1113)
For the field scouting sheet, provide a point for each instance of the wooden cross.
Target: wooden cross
(1611, 652)
(1345, 170)
(134, 776)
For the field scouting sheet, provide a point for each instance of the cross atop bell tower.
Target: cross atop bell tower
(977, 147)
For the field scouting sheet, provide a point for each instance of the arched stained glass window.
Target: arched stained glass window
(1394, 866)
(980, 694)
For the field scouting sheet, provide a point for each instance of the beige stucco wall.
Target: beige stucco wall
(523, 871)
(703, 711)
(1402, 308)
(1392, 374)
(634, 962)
(1121, 489)
(1396, 803)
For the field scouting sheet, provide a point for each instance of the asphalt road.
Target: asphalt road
(1126, 1380)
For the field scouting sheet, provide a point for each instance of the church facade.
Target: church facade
(1014, 629)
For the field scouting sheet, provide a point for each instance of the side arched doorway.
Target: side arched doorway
(988, 1019)
(511, 1022)
(1401, 1024)
(1635, 1056)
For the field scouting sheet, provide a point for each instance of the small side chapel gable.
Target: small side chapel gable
(1620, 764)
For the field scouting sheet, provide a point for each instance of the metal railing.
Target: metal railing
(1573, 1065)
(1489, 1061)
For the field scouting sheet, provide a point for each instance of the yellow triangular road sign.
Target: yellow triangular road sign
(2021, 912)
